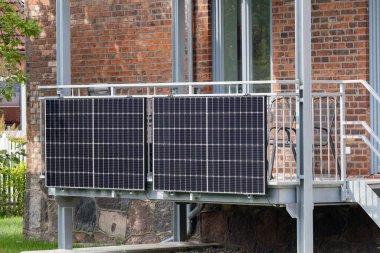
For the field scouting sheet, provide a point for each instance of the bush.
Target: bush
(12, 190)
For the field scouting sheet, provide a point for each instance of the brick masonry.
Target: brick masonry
(129, 41)
(340, 51)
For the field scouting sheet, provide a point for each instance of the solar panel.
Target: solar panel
(209, 144)
(95, 143)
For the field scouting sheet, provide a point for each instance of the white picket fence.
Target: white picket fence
(10, 146)
(11, 190)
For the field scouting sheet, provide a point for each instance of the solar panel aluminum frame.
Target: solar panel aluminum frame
(93, 171)
(265, 146)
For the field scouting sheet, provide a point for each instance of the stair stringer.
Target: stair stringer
(360, 191)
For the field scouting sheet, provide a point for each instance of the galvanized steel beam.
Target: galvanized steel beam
(65, 221)
(303, 74)
(178, 62)
(63, 37)
(374, 55)
(178, 43)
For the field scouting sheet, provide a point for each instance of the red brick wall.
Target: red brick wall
(113, 41)
(202, 41)
(131, 42)
(121, 41)
(340, 51)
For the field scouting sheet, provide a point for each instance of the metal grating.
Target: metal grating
(95, 143)
(209, 144)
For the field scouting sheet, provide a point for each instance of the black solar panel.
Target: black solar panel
(210, 144)
(95, 143)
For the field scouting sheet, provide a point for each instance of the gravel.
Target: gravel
(215, 250)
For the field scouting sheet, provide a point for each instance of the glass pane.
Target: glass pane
(261, 40)
(232, 42)
(260, 68)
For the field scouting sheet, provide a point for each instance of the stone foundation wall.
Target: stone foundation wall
(271, 229)
(100, 220)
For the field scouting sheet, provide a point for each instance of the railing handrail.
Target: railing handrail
(366, 127)
(363, 82)
(366, 141)
(161, 85)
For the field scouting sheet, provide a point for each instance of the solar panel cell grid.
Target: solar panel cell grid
(95, 143)
(209, 144)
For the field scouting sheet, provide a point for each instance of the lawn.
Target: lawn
(11, 240)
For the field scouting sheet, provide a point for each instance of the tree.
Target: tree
(14, 29)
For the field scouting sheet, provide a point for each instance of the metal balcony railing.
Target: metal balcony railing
(328, 108)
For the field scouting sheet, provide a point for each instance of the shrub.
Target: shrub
(12, 190)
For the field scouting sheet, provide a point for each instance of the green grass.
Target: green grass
(11, 240)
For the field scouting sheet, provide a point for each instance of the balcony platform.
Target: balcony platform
(325, 193)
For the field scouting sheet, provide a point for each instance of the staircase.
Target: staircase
(366, 193)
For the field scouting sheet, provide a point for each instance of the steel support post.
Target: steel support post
(178, 62)
(65, 221)
(303, 74)
(63, 37)
(178, 42)
(179, 222)
(374, 43)
(190, 44)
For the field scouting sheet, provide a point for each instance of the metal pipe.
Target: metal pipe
(366, 126)
(191, 215)
(164, 85)
(178, 95)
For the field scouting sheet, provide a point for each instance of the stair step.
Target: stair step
(367, 194)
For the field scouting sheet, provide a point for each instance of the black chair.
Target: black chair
(282, 120)
(281, 124)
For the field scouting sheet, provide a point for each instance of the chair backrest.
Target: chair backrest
(325, 117)
(281, 113)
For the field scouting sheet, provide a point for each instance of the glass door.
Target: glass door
(242, 43)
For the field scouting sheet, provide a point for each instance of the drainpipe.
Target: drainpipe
(191, 214)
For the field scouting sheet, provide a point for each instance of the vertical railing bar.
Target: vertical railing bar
(283, 138)
(290, 141)
(276, 137)
(342, 133)
(328, 135)
(229, 89)
(320, 138)
(154, 90)
(336, 139)
(312, 139)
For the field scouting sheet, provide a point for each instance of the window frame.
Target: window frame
(246, 42)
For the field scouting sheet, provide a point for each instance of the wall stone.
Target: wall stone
(271, 229)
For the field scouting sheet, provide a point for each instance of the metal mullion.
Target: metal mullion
(246, 38)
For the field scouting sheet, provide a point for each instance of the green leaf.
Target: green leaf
(14, 28)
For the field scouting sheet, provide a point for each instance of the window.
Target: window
(242, 42)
